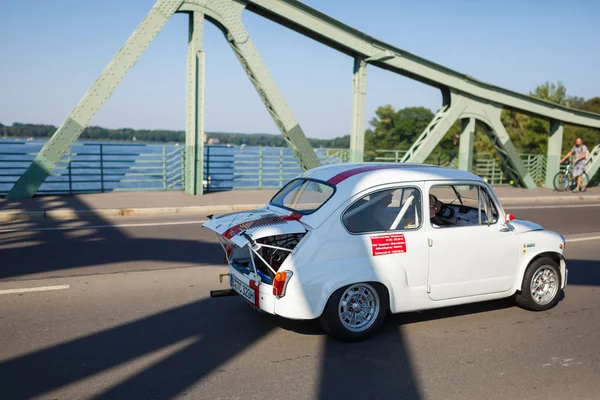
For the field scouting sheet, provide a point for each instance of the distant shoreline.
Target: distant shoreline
(21, 131)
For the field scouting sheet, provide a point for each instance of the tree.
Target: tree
(395, 130)
(555, 93)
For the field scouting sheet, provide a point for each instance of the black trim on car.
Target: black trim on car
(301, 211)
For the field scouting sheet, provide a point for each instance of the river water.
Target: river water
(95, 166)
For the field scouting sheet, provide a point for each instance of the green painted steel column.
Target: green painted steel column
(454, 104)
(511, 160)
(359, 95)
(465, 147)
(593, 163)
(554, 151)
(194, 132)
(60, 142)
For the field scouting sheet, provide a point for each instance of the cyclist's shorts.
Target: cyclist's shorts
(579, 168)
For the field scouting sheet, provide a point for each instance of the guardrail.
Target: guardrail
(485, 165)
(99, 168)
(257, 167)
(93, 168)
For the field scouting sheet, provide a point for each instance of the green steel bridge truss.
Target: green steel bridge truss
(464, 98)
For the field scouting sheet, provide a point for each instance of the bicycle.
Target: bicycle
(563, 180)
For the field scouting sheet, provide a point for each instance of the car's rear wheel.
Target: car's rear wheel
(355, 312)
(541, 285)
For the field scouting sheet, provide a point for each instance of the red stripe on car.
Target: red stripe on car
(342, 176)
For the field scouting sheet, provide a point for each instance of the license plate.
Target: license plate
(242, 289)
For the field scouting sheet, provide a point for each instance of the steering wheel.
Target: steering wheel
(446, 212)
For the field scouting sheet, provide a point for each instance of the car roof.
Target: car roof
(361, 176)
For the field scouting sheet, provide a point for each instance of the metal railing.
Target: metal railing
(93, 168)
(227, 168)
(490, 168)
(485, 165)
(99, 168)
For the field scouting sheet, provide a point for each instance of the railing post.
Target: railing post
(183, 167)
(281, 166)
(69, 169)
(164, 167)
(260, 168)
(207, 168)
(101, 168)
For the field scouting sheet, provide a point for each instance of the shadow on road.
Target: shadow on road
(28, 252)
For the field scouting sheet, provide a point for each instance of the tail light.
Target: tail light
(280, 283)
(508, 218)
(228, 250)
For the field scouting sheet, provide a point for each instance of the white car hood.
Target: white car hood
(237, 227)
(522, 226)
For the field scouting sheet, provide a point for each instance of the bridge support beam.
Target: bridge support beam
(453, 106)
(554, 152)
(229, 18)
(593, 162)
(194, 132)
(359, 95)
(457, 105)
(60, 143)
(511, 161)
(465, 149)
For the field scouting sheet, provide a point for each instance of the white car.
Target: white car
(347, 243)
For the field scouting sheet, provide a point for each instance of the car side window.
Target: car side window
(461, 205)
(397, 209)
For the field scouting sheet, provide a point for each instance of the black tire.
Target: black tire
(331, 318)
(547, 295)
(561, 181)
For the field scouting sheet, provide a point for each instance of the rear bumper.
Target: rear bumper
(264, 298)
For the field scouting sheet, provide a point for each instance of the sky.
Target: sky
(52, 51)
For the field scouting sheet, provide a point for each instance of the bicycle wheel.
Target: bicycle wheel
(561, 181)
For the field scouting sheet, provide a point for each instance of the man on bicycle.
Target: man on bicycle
(581, 153)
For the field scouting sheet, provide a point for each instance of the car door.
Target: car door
(474, 254)
(388, 224)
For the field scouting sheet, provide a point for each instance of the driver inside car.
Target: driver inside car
(435, 211)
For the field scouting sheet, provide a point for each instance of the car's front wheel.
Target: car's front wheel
(355, 312)
(541, 285)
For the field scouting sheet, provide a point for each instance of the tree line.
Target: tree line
(40, 131)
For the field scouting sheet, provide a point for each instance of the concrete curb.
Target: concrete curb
(123, 212)
(549, 198)
(20, 215)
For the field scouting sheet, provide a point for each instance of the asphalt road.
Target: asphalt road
(131, 318)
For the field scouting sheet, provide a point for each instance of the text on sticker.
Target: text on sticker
(388, 244)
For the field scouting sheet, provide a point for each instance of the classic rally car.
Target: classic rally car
(348, 243)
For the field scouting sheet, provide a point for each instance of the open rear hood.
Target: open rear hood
(256, 224)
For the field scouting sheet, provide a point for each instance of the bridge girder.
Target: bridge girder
(593, 163)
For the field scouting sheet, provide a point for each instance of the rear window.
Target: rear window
(303, 196)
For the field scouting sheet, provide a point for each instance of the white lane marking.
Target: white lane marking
(507, 207)
(34, 289)
(582, 239)
(68, 228)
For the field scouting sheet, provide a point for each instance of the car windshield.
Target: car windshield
(304, 196)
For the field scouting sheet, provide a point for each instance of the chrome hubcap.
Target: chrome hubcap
(544, 285)
(359, 307)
